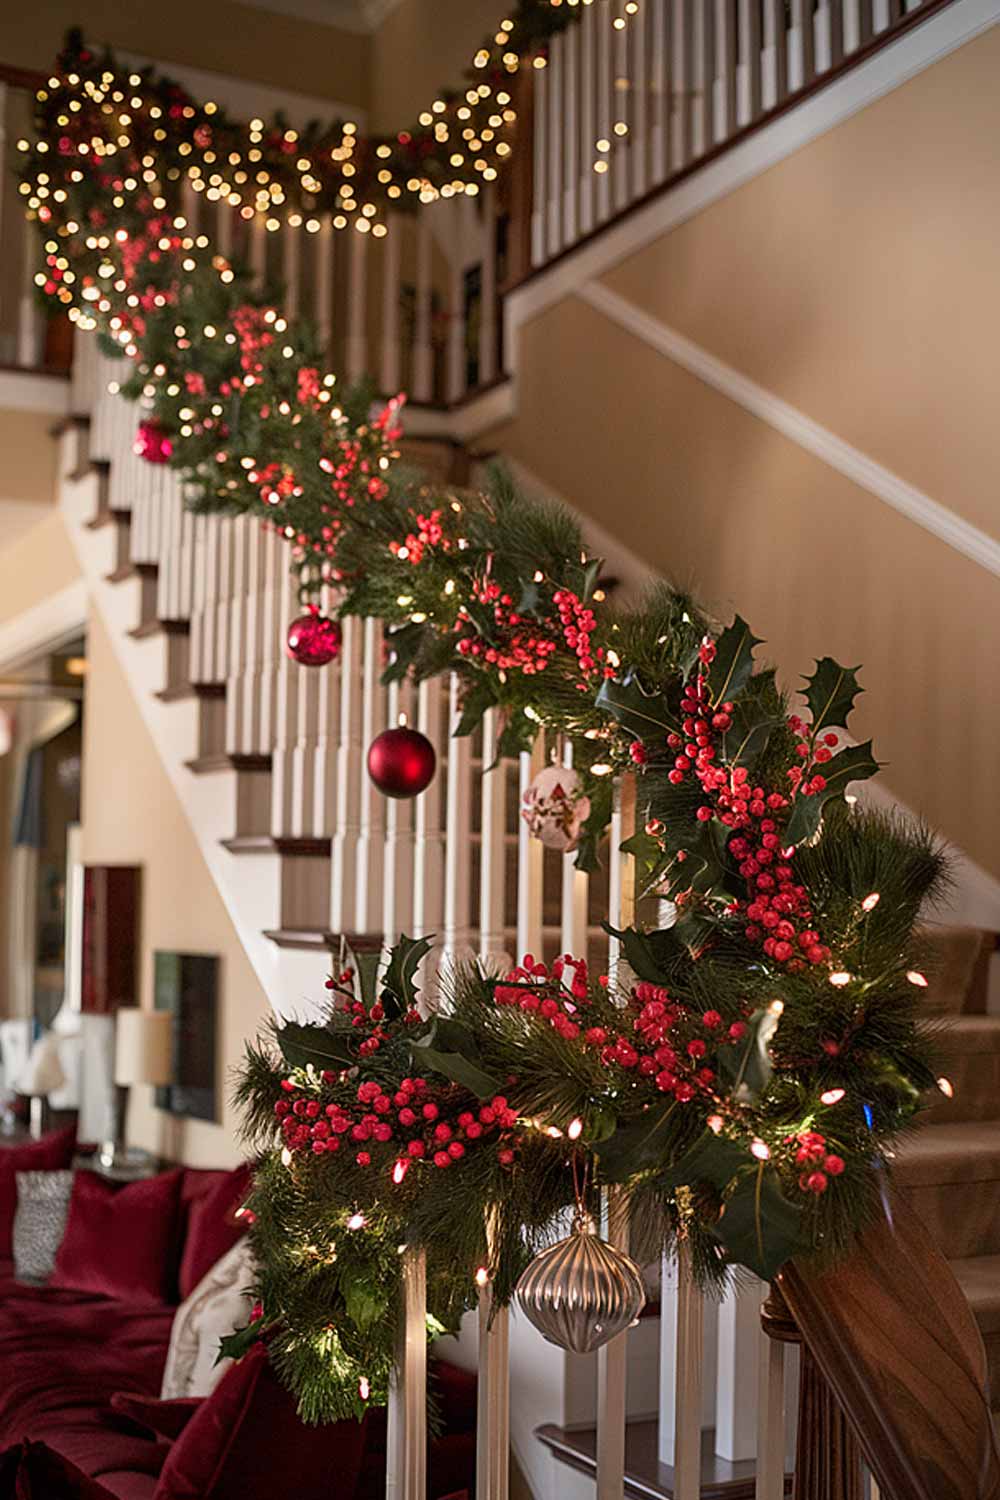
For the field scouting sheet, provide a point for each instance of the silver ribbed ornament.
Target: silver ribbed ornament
(581, 1292)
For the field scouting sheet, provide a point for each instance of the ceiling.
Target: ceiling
(350, 15)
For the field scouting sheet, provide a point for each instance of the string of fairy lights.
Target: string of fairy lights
(146, 138)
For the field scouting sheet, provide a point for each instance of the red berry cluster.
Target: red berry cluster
(668, 1044)
(523, 647)
(254, 328)
(419, 1125)
(363, 1016)
(429, 533)
(578, 623)
(817, 1164)
(550, 996)
(813, 752)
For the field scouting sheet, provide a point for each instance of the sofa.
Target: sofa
(82, 1358)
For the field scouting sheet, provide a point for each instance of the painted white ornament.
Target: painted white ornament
(555, 809)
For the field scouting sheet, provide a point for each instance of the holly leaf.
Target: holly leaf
(694, 929)
(366, 967)
(517, 734)
(759, 1228)
(451, 1050)
(402, 646)
(477, 700)
(301, 1045)
(650, 955)
(364, 1304)
(397, 982)
(635, 1147)
(237, 1345)
(591, 574)
(641, 714)
(830, 693)
(748, 734)
(733, 662)
(651, 860)
(855, 763)
(712, 1159)
(593, 830)
(747, 1065)
(530, 600)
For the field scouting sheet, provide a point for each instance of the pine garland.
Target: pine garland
(745, 1075)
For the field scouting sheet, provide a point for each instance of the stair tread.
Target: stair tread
(220, 761)
(266, 843)
(965, 1151)
(979, 1278)
(970, 1034)
(645, 1477)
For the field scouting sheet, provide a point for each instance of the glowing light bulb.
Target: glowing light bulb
(915, 977)
(364, 1389)
(356, 1221)
(482, 1276)
(832, 1096)
(286, 1157)
(714, 1123)
(947, 1088)
(399, 1171)
(776, 1008)
(760, 1150)
(870, 902)
(840, 978)
(575, 1129)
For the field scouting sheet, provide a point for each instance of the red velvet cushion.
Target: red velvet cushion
(212, 1225)
(120, 1241)
(246, 1439)
(53, 1153)
(32, 1471)
(167, 1419)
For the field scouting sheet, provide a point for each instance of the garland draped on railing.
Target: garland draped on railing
(745, 1087)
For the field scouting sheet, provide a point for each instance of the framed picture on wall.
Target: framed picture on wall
(186, 985)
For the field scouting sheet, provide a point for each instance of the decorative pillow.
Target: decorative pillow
(246, 1439)
(166, 1419)
(53, 1153)
(212, 1226)
(120, 1241)
(40, 1222)
(33, 1471)
(218, 1305)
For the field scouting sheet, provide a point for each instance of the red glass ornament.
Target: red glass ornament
(152, 442)
(401, 762)
(313, 640)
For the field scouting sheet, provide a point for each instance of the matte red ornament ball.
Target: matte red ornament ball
(313, 640)
(401, 762)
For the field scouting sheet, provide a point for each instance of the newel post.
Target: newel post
(827, 1455)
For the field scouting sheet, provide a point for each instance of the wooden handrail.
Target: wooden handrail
(21, 78)
(893, 1338)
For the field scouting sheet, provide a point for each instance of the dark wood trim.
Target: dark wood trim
(22, 78)
(75, 421)
(132, 570)
(48, 372)
(160, 627)
(207, 765)
(184, 691)
(321, 940)
(815, 85)
(113, 516)
(265, 843)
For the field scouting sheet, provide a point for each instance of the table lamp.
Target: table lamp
(143, 1054)
(42, 1074)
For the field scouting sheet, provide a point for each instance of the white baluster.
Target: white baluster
(488, 290)
(588, 117)
(770, 1419)
(727, 119)
(802, 58)
(704, 102)
(320, 772)
(611, 1375)
(350, 769)
(29, 330)
(571, 134)
(258, 250)
(575, 890)
(292, 683)
(737, 1339)
(605, 87)
(356, 354)
(429, 838)
(774, 85)
(455, 380)
(492, 860)
(621, 149)
(371, 846)
(680, 35)
(397, 877)
(530, 860)
(493, 1399)
(423, 350)
(681, 1361)
(458, 832)
(406, 1465)
(291, 268)
(540, 174)
(324, 285)
(639, 75)
(391, 253)
(554, 133)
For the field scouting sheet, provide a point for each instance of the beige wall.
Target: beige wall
(131, 815)
(422, 47)
(856, 280)
(711, 497)
(38, 564)
(240, 41)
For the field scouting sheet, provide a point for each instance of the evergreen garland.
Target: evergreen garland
(744, 1076)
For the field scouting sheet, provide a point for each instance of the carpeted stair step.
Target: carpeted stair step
(951, 1175)
(979, 1278)
(957, 967)
(969, 1053)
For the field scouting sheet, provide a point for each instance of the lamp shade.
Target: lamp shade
(43, 1072)
(143, 1046)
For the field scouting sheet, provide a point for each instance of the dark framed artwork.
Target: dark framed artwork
(186, 985)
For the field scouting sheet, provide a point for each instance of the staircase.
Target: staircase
(949, 1170)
